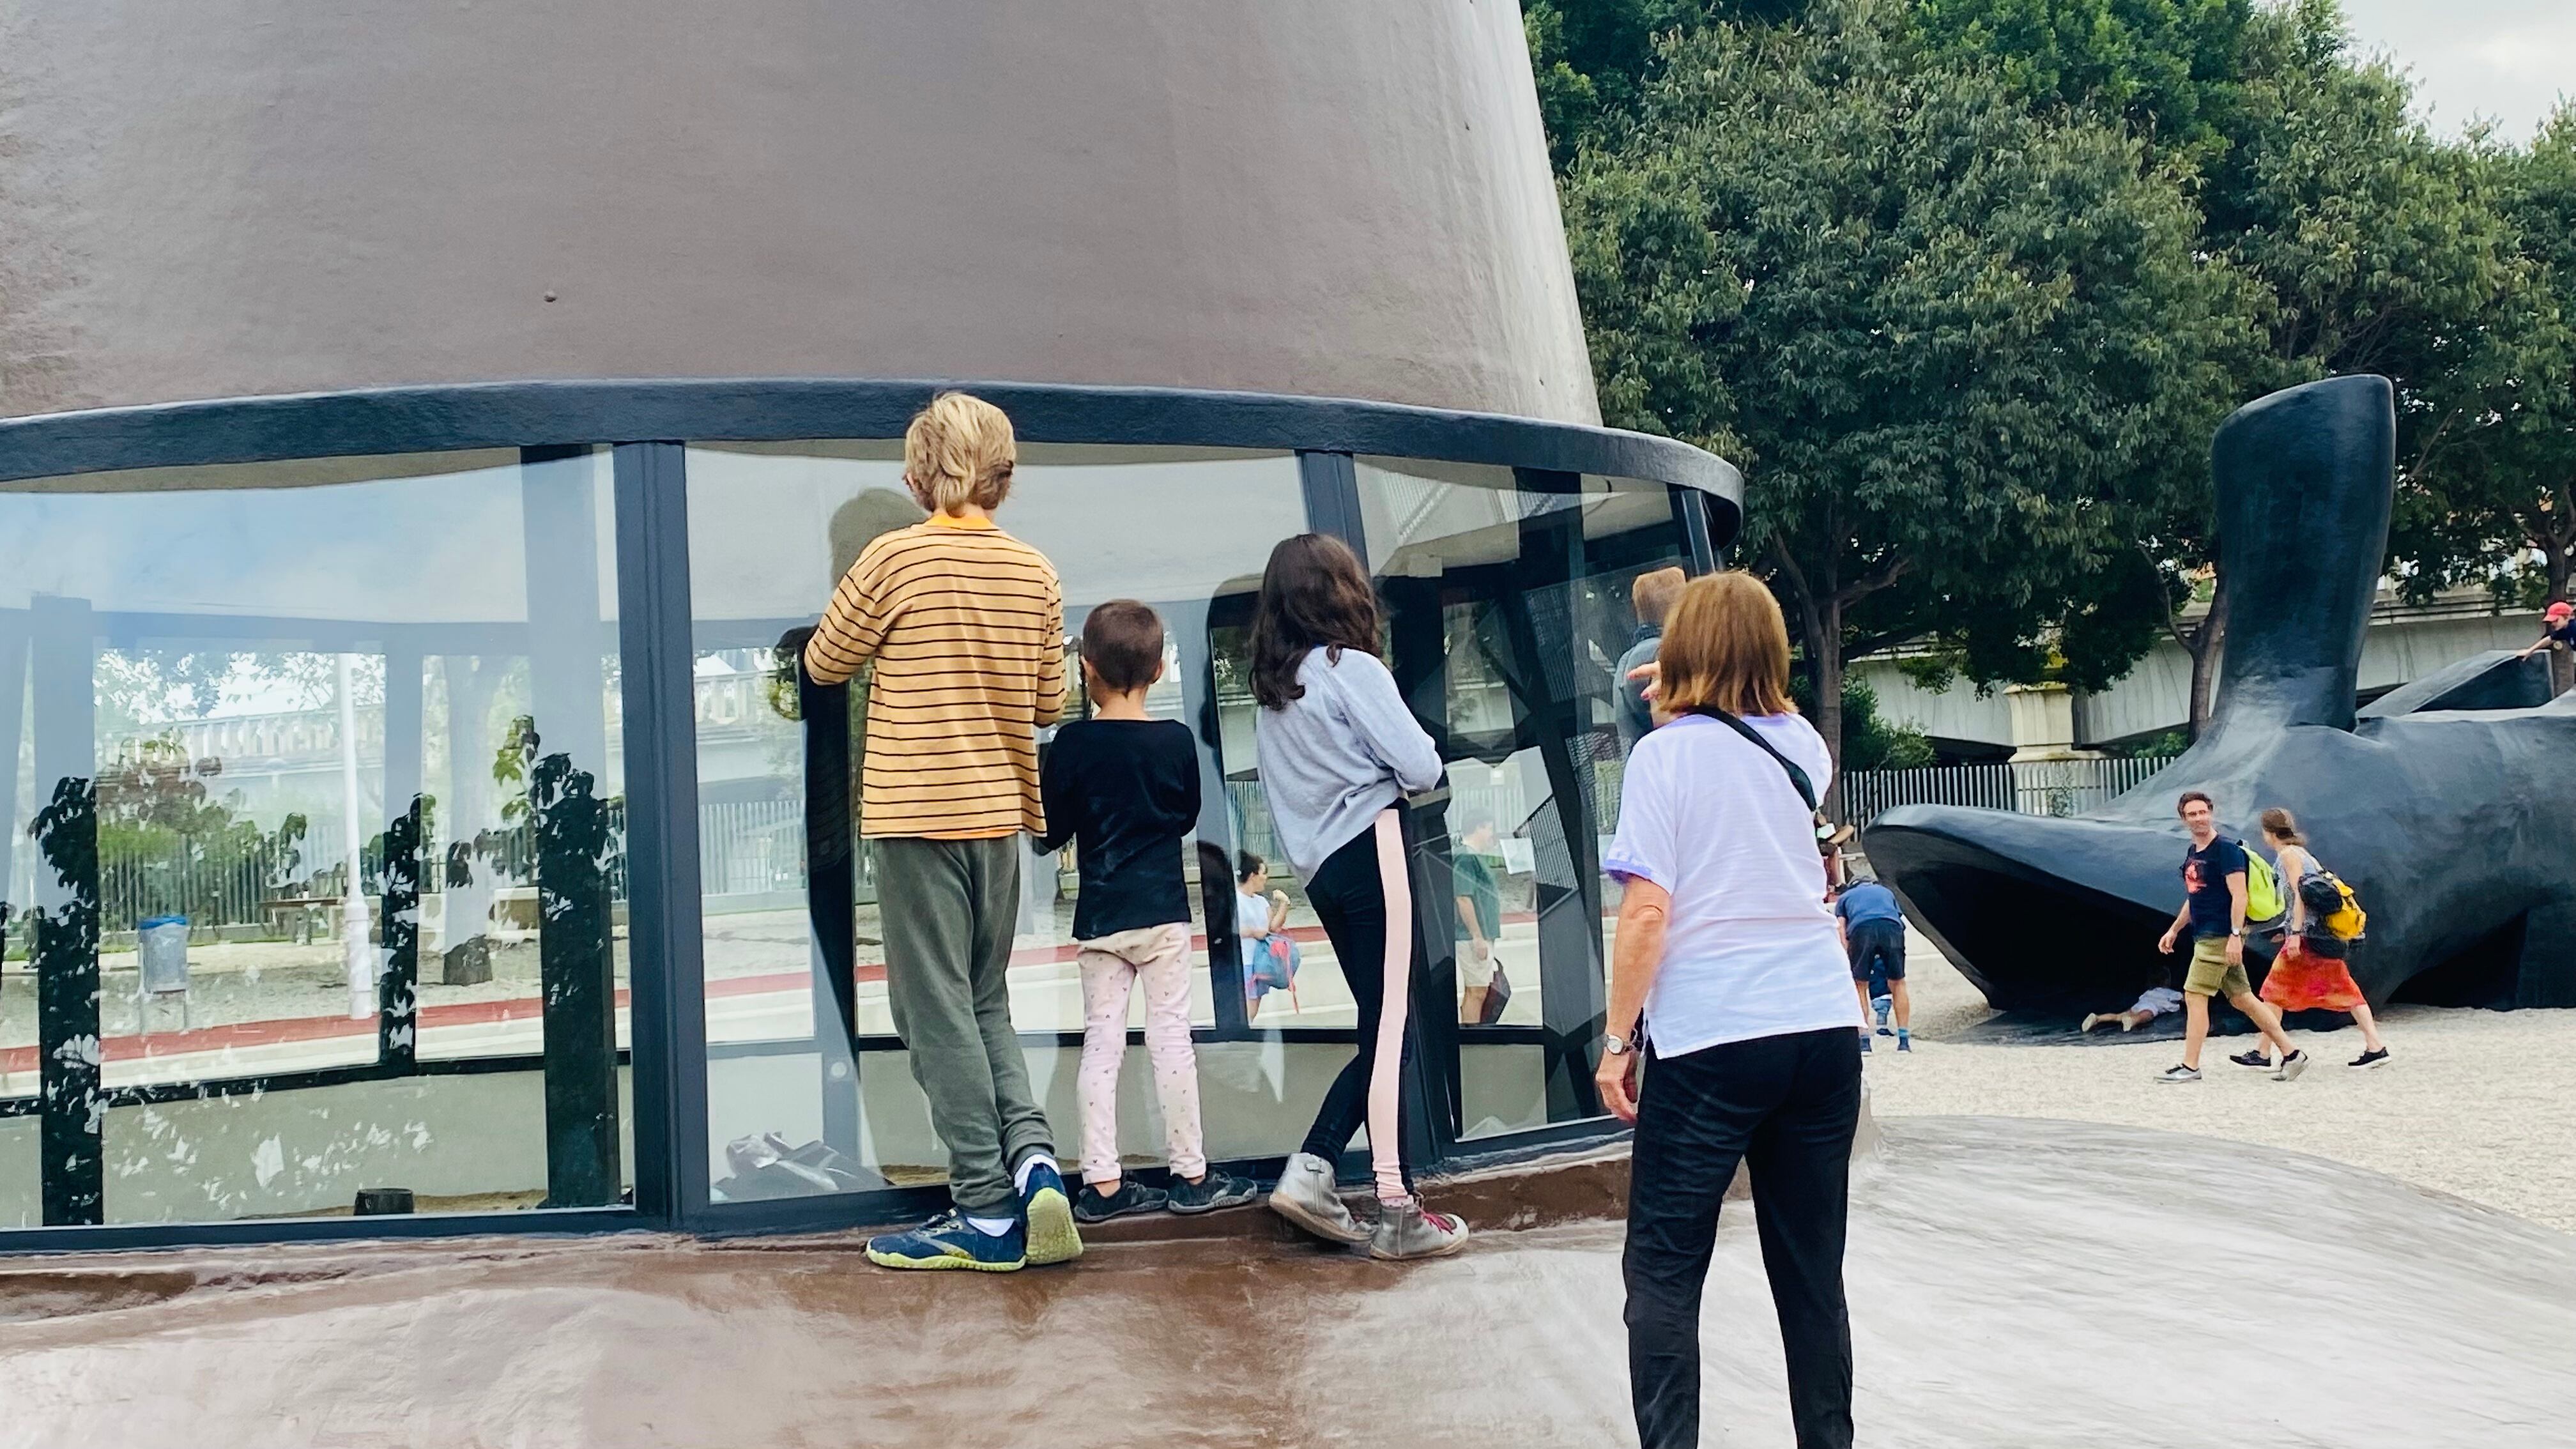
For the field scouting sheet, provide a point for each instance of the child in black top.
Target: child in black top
(1125, 788)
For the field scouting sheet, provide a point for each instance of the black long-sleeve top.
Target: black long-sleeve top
(1124, 791)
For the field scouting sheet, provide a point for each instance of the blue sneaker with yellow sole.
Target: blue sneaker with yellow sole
(1047, 1209)
(950, 1242)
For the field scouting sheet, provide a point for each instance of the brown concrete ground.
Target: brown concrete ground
(2014, 1283)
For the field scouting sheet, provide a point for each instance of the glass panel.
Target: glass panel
(311, 772)
(772, 528)
(1508, 603)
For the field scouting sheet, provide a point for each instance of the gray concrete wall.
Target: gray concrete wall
(2156, 694)
(207, 198)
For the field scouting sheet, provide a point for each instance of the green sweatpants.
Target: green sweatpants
(946, 909)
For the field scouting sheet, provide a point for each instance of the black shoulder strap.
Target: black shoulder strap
(1797, 777)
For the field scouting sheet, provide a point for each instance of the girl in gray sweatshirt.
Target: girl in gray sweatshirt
(1339, 750)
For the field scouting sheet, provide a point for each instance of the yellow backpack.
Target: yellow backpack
(2333, 904)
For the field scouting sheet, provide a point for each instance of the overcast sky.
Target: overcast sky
(2503, 59)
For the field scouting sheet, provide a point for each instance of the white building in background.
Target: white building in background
(2405, 643)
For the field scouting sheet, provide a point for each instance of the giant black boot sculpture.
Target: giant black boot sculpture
(2453, 819)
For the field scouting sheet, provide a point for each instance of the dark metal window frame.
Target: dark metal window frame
(647, 423)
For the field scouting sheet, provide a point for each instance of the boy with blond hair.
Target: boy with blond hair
(965, 626)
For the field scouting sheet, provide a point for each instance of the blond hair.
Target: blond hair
(1726, 646)
(959, 451)
(1653, 593)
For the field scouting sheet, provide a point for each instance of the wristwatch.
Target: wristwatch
(1613, 1044)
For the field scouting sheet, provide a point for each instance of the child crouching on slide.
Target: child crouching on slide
(1125, 788)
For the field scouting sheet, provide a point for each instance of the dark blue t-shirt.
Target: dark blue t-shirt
(1867, 900)
(2204, 875)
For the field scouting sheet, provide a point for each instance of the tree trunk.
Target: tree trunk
(2207, 643)
(1825, 656)
(2562, 664)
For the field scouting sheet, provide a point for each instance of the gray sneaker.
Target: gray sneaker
(1410, 1231)
(1305, 1197)
(2291, 1066)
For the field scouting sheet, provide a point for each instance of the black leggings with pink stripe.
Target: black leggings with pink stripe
(1358, 891)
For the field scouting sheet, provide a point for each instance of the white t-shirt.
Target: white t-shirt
(1750, 950)
(2157, 1000)
(1251, 916)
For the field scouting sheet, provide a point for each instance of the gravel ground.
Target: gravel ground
(2477, 1103)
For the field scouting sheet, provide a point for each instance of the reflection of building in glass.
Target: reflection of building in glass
(546, 460)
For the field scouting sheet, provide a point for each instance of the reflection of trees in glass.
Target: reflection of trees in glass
(547, 804)
(65, 954)
(140, 688)
(168, 845)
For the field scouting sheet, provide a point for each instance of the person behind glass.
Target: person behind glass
(964, 625)
(1728, 982)
(1125, 788)
(1338, 751)
(1480, 920)
(1651, 596)
(1270, 955)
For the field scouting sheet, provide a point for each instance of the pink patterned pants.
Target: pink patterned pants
(1157, 957)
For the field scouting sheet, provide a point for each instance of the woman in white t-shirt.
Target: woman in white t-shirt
(1729, 979)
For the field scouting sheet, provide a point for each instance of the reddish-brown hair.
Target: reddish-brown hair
(1727, 647)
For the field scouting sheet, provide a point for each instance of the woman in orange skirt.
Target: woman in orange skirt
(2309, 974)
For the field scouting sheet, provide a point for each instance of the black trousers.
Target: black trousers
(1878, 953)
(1787, 1107)
(1350, 904)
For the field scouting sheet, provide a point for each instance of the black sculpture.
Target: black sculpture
(2450, 806)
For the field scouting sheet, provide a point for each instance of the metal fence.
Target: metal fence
(745, 848)
(2045, 787)
(751, 847)
(228, 890)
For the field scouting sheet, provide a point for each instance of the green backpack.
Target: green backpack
(2262, 888)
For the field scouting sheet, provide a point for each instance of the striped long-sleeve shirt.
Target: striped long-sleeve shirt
(966, 626)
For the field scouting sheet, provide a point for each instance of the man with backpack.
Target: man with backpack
(2224, 885)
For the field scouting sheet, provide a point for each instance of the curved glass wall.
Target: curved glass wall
(1508, 604)
(361, 816)
(313, 868)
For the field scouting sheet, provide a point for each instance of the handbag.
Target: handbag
(1498, 994)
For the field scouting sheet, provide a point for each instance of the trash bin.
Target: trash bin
(162, 943)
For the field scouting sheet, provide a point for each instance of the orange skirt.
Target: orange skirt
(2303, 981)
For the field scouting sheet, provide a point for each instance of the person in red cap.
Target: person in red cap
(2557, 626)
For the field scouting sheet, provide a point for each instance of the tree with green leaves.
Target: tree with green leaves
(1963, 349)
(2372, 245)
(2490, 497)
(1593, 58)
(2167, 69)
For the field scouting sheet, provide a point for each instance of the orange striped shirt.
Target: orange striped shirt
(965, 625)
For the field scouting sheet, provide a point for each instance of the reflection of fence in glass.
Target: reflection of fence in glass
(745, 848)
(2042, 787)
(751, 847)
(1502, 801)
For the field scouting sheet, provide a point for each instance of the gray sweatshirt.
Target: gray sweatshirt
(1340, 754)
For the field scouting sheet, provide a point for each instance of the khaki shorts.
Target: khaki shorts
(2211, 975)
